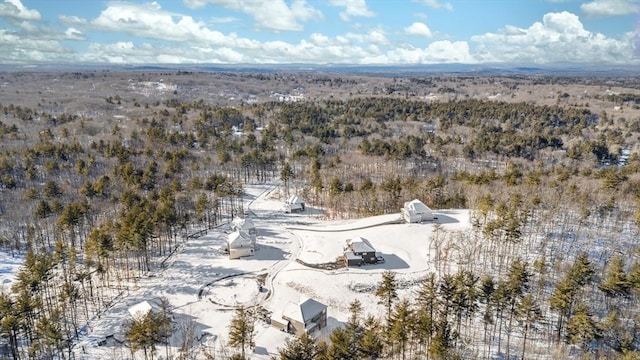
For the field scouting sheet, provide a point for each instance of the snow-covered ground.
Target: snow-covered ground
(204, 286)
(9, 267)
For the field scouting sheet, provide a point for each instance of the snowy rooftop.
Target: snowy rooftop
(417, 206)
(361, 245)
(303, 311)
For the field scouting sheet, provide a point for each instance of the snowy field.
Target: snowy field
(204, 286)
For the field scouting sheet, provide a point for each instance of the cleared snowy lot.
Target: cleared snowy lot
(204, 286)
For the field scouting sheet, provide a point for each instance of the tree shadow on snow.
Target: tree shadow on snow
(267, 252)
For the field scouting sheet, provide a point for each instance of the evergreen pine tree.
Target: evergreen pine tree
(303, 347)
(529, 313)
(387, 292)
(615, 282)
(241, 330)
(581, 327)
(370, 343)
(426, 300)
(401, 325)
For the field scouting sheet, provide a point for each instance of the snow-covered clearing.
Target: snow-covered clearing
(9, 267)
(204, 286)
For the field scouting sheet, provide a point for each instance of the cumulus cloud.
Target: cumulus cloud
(636, 43)
(352, 8)
(155, 23)
(17, 49)
(418, 29)
(268, 14)
(437, 52)
(560, 37)
(376, 37)
(436, 4)
(14, 10)
(27, 38)
(610, 7)
(72, 20)
(147, 33)
(74, 34)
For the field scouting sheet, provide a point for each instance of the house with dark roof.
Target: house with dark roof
(303, 317)
(359, 251)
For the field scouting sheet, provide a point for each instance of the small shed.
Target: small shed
(306, 316)
(294, 204)
(240, 244)
(415, 211)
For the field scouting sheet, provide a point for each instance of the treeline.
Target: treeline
(465, 315)
(93, 214)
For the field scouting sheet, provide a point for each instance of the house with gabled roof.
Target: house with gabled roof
(416, 211)
(303, 317)
(294, 204)
(240, 244)
(359, 251)
(244, 224)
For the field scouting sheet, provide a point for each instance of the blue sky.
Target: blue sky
(320, 31)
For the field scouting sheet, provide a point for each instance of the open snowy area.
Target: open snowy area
(9, 266)
(204, 286)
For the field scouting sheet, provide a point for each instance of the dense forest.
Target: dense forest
(96, 203)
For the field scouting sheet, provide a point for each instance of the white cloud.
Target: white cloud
(560, 37)
(352, 8)
(14, 10)
(154, 23)
(635, 40)
(71, 20)
(418, 29)
(437, 52)
(436, 4)
(320, 39)
(268, 14)
(377, 37)
(610, 7)
(18, 49)
(26, 39)
(150, 34)
(74, 34)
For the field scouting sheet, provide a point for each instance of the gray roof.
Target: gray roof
(294, 199)
(360, 245)
(304, 311)
(351, 256)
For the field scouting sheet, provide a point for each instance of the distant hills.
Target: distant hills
(379, 70)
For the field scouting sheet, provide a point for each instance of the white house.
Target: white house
(240, 244)
(294, 204)
(415, 211)
(246, 225)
